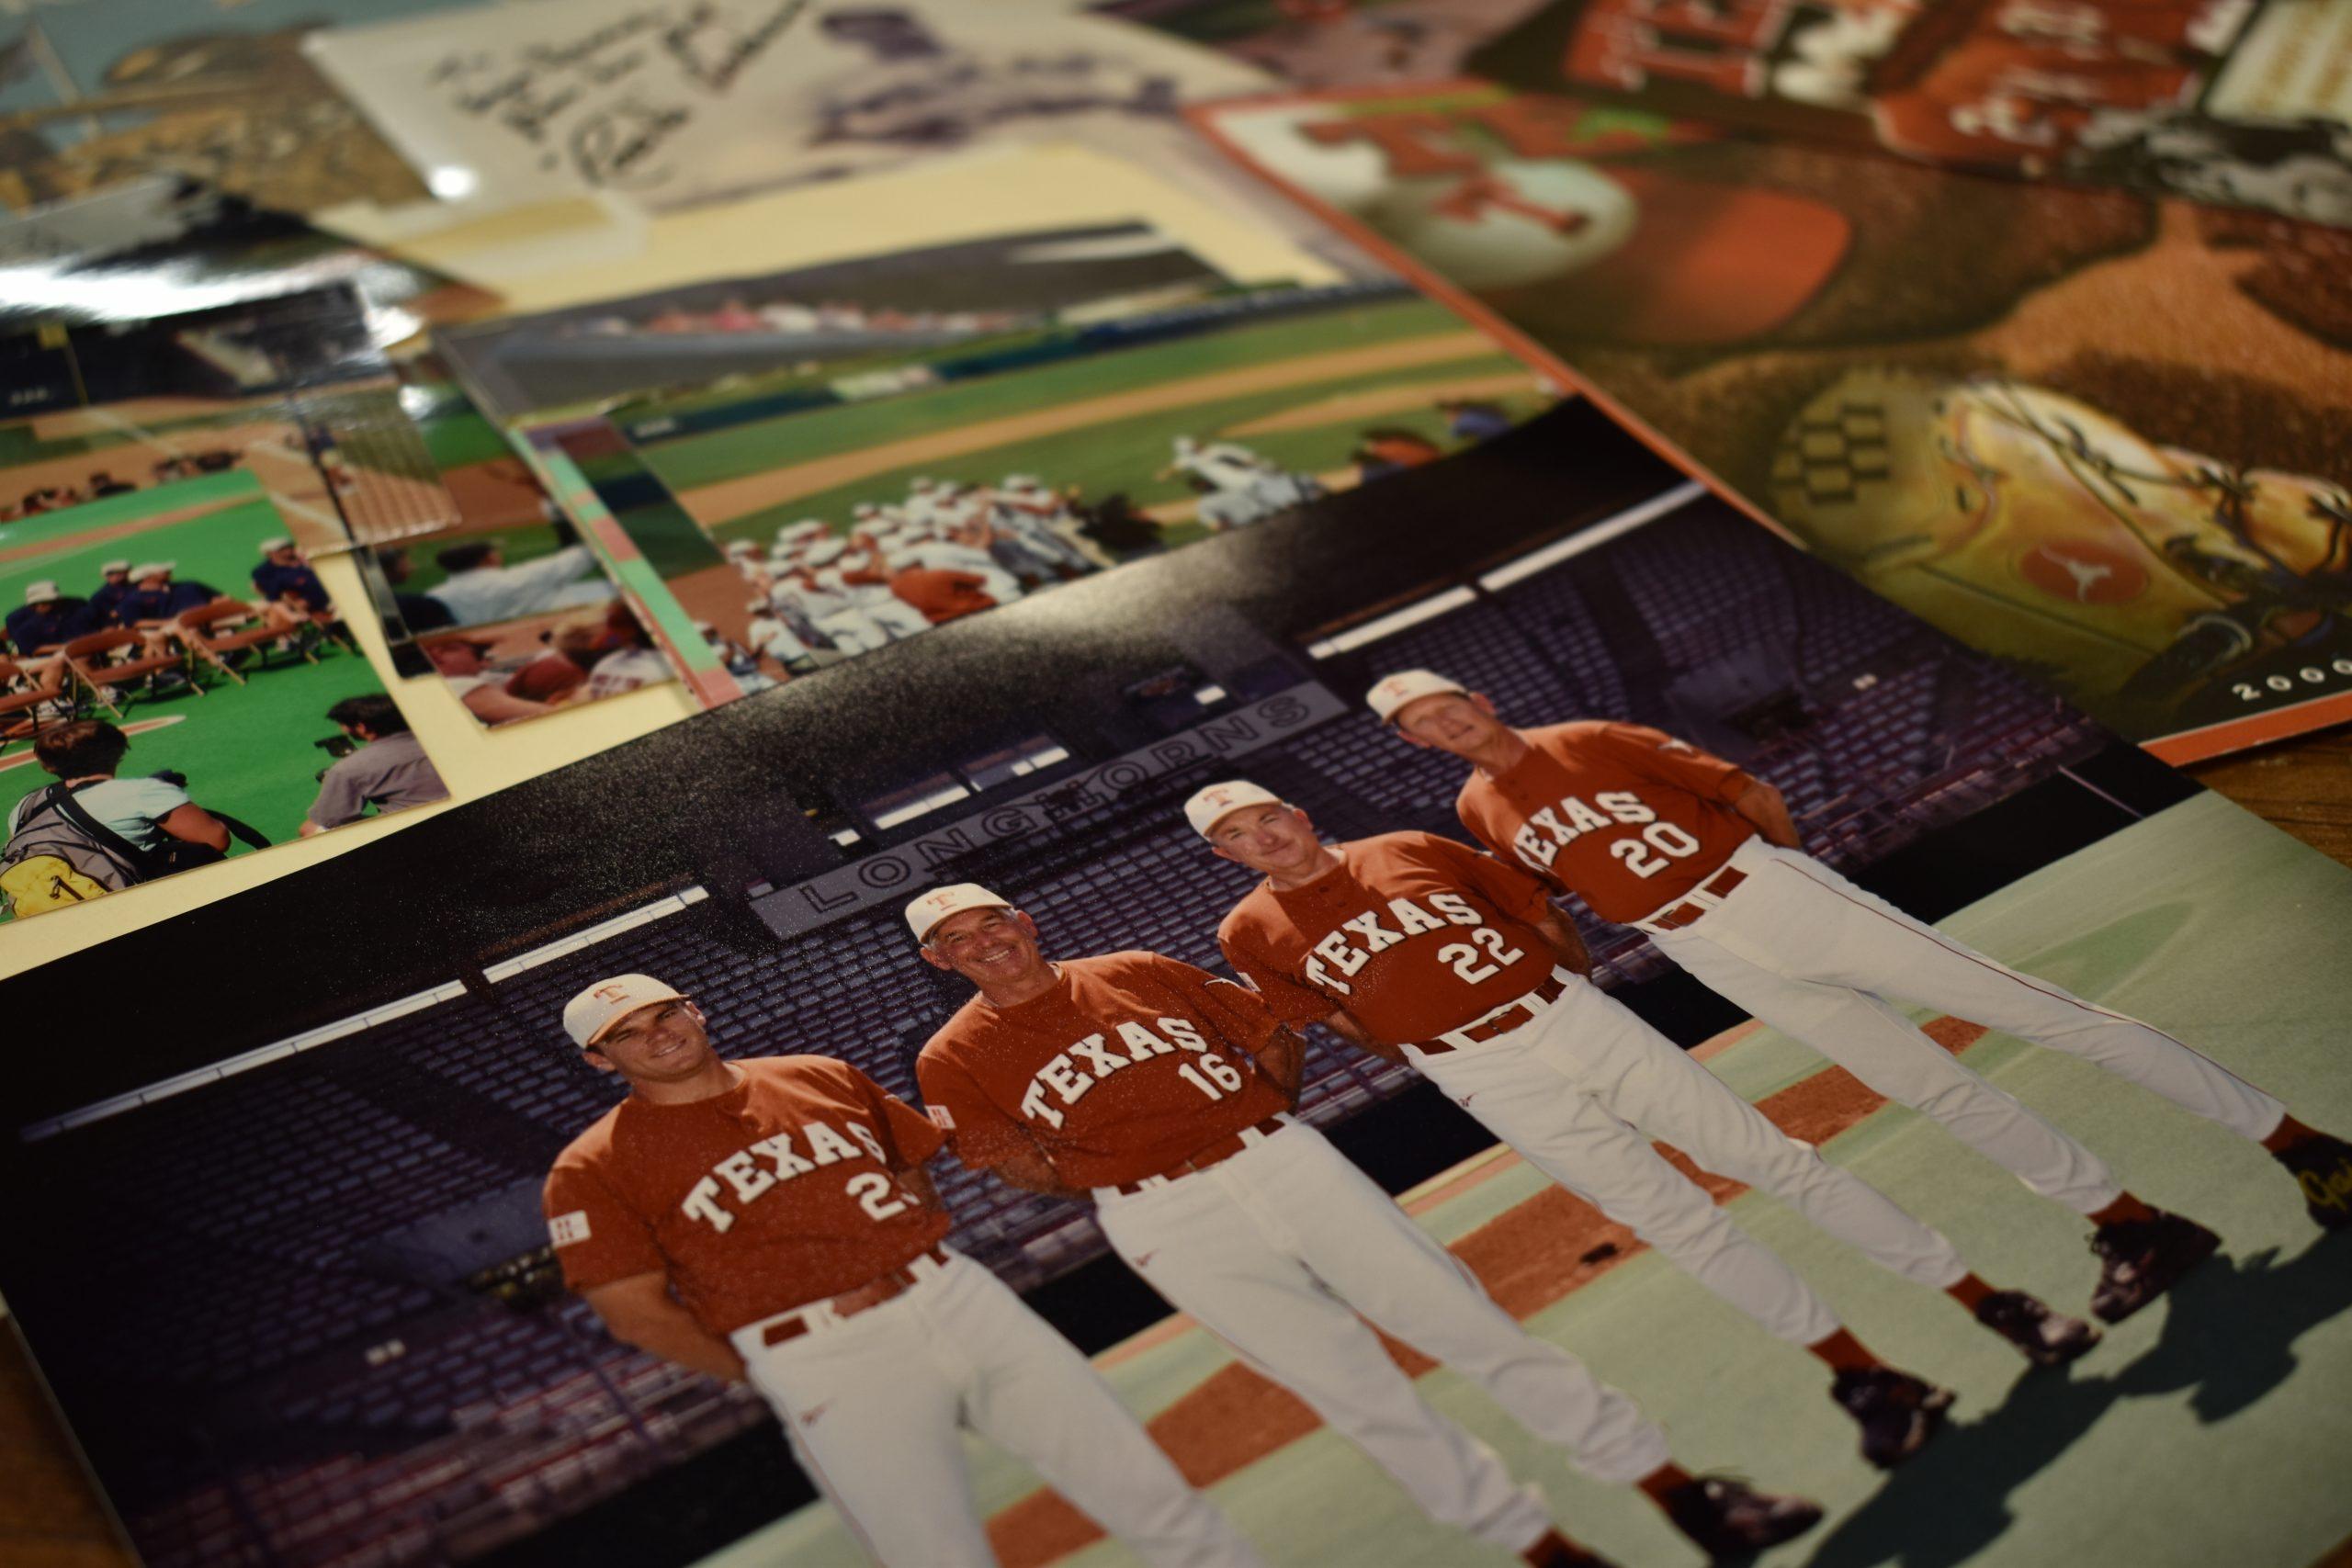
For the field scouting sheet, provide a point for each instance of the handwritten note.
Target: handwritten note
(675, 102)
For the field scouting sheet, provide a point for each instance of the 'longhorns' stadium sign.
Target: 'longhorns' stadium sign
(902, 870)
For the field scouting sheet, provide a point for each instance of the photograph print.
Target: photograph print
(1320, 923)
(2097, 435)
(177, 687)
(292, 389)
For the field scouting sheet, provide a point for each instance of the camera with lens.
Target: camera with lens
(337, 747)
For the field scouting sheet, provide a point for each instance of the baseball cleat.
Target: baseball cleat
(1557, 1551)
(1729, 1519)
(2141, 1260)
(2323, 1169)
(2046, 1338)
(1898, 1413)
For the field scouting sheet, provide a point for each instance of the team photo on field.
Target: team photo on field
(1179, 1087)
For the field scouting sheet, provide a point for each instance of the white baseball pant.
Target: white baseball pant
(871, 1403)
(853, 631)
(897, 618)
(1581, 1088)
(1276, 1250)
(1807, 952)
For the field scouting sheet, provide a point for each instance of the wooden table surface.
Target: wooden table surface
(50, 1517)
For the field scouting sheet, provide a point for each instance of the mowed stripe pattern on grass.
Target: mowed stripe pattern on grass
(716, 504)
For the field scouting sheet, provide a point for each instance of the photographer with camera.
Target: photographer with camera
(92, 833)
(378, 762)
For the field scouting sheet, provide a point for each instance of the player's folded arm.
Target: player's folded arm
(640, 1311)
(1293, 1006)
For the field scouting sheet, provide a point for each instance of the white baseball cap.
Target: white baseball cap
(41, 592)
(1391, 692)
(608, 1001)
(148, 569)
(741, 548)
(271, 546)
(1213, 803)
(114, 566)
(924, 914)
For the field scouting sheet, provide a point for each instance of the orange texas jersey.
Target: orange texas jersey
(1629, 818)
(779, 1192)
(1412, 934)
(1128, 1066)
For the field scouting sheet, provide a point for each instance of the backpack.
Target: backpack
(52, 861)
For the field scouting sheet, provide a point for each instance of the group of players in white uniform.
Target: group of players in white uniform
(819, 593)
(769, 1219)
(822, 592)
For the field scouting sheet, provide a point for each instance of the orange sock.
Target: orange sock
(1845, 1353)
(1969, 1291)
(2124, 1207)
(2287, 1134)
(1662, 1482)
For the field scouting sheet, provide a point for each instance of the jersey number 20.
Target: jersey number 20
(1664, 837)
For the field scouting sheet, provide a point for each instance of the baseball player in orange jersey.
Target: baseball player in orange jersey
(770, 1219)
(1162, 1092)
(1654, 833)
(1429, 952)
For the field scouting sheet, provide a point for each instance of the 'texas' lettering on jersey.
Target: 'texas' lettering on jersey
(1067, 1075)
(1544, 834)
(1346, 949)
(743, 1174)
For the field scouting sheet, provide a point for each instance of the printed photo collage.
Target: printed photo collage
(1208, 783)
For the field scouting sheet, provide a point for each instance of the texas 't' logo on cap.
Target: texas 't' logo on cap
(1212, 802)
(1391, 692)
(597, 1008)
(928, 910)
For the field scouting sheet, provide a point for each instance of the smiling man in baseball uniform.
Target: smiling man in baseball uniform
(1162, 1092)
(1654, 833)
(769, 1219)
(1426, 951)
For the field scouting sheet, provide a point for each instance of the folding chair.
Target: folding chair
(86, 656)
(196, 631)
(20, 711)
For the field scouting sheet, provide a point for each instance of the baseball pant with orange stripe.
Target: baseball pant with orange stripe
(1816, 957)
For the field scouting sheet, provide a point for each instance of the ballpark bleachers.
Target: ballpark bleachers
(411, 1418)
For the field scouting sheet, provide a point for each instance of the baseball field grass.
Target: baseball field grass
(1106, 423)
(456, 436)
(2208, 1428)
